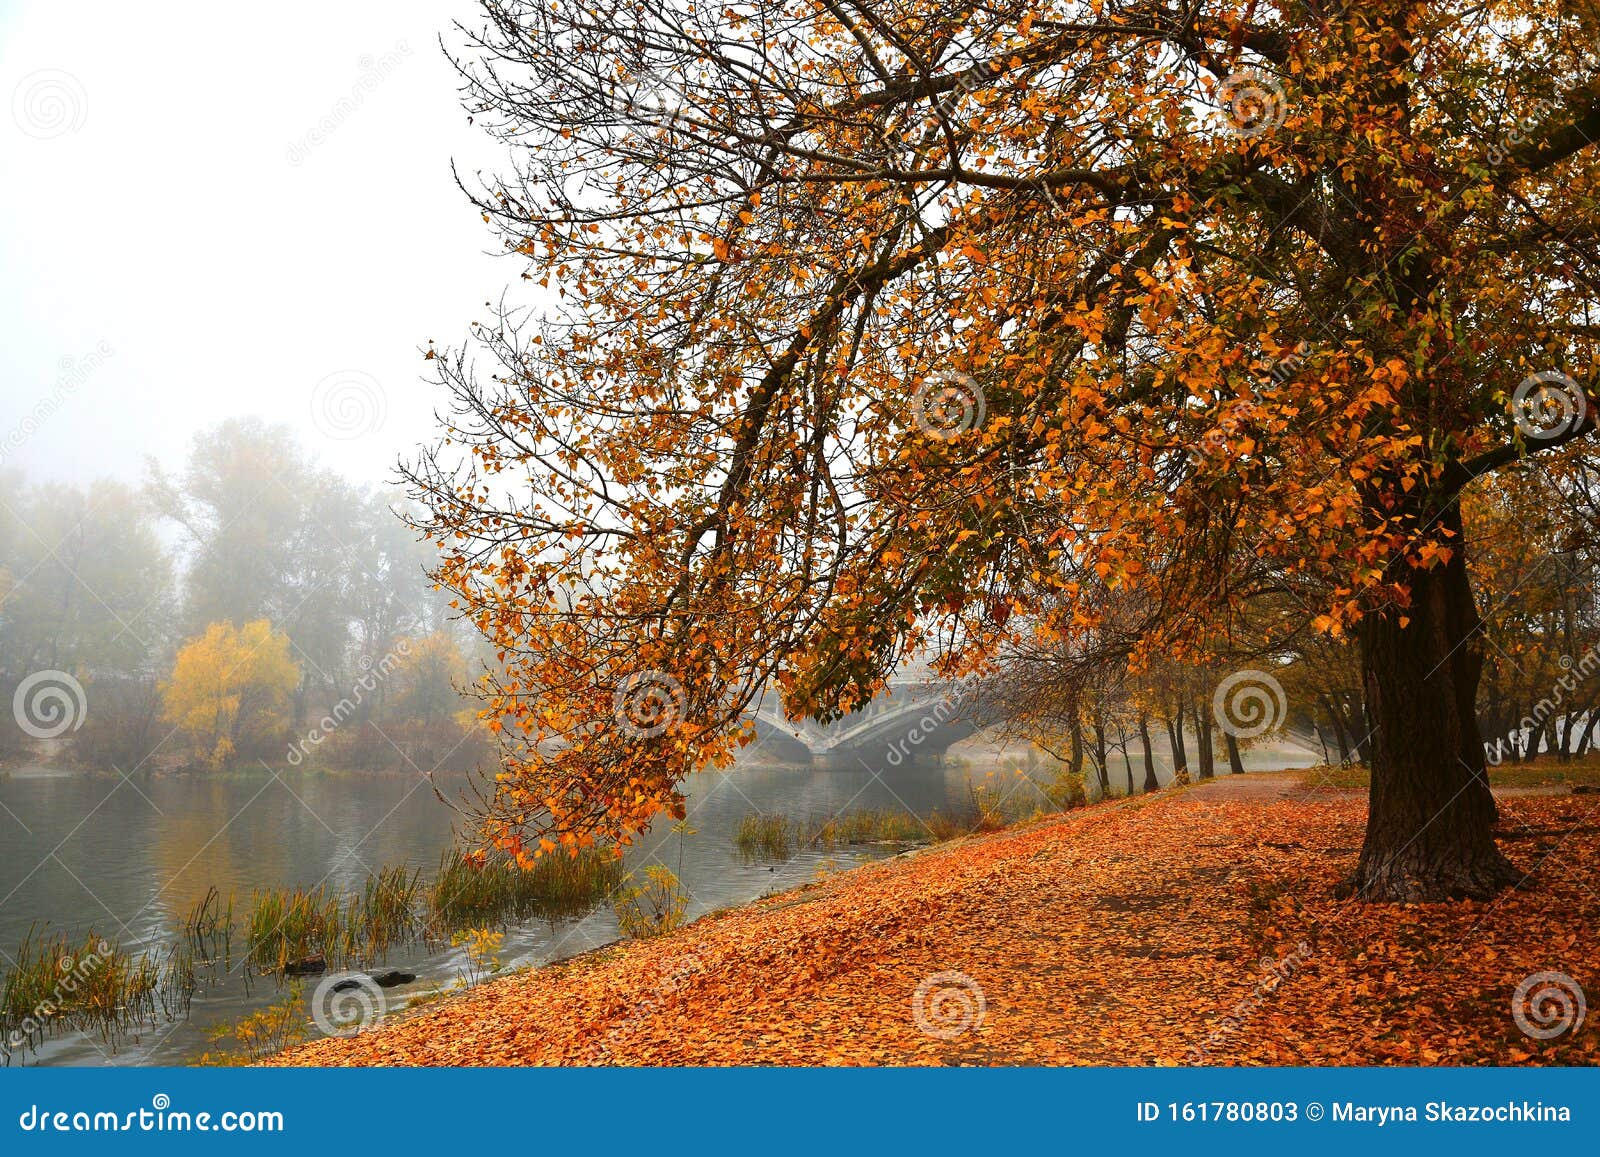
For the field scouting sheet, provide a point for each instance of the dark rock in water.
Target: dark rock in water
(387, 979)
(310, 966)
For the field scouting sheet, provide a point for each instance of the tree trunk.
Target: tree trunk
(1586, 736)
(1150, 782)
(1518, 739)
(1362, 738)
(1097, 752)
(1202, 728)
(1340, 735)
(1235, 764)
(1430, 825)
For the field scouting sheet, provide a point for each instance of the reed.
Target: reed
(469, 893)
(208, 928)
(869, 826)
(96, 987)
(384, 913)
(766, 836)
(288, 926)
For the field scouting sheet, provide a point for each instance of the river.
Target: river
(128, 857)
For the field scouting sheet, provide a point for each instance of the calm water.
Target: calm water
(128, 858)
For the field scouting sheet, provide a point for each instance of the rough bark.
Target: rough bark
(1430, 828)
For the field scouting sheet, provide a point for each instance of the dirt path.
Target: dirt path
(1253, 787)
(1196, 925)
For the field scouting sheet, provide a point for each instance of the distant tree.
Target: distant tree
(229, 688)
(271, 536)
(426, 687)
(391, 594)
(89, 585)
(240, 499)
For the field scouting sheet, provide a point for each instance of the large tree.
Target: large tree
(883, 321)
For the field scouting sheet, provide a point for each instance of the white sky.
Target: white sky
(148, 201)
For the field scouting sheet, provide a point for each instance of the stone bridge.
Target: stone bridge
(913, 719)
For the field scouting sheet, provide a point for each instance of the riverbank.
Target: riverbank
(1196, 926)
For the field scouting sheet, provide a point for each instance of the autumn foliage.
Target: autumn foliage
(1184, 930)
(230, 686)
(893, 324)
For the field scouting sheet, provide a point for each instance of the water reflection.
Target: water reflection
(130, 858)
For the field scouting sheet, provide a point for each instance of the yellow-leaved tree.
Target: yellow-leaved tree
(229, 687)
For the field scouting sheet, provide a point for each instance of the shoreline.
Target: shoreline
(1128, 932)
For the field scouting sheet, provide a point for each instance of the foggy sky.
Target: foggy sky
(215, 210)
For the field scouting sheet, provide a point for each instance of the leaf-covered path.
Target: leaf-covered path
(1195, 926)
